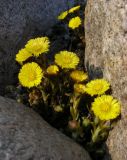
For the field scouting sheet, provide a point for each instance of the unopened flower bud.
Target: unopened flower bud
(86, 122)
(73, 124)
(58, 109)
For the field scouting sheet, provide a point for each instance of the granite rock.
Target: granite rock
(24, 135)
(106, 48)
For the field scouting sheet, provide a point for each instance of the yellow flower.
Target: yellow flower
(66, 59)
(97, 87)
(30, 75)
(52, 70)
(74, 22)
(22, 55)
(74, 9)
(78, 76)
(79, 88)
(63, 15)
(105, 107)
(38, 45)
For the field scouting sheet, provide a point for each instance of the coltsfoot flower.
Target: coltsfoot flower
(74, 22)
(52, 70)
(78, 76)
(38, 46)
(106, 107)
(66, 59)
(74, 9)
(97, 87)
(63, 15)
(22, 56)
(79, 88)
(30, 75)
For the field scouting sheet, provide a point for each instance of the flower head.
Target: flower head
(105, 107)
(97, 87)
(74, 9)
(52, 70)
(79, 88)
(74, 22)
(22, 55)
(30, 75)
(38, 45)
(78, 76)
(63, 15)
(66, 59)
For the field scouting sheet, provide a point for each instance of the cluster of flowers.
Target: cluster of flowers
(74, 22)
(105, 107)
(62, 85)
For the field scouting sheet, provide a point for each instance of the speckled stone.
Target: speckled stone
(106, 48)
(24, 135)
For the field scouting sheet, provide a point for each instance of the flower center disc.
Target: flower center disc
(66, 60)
(32, 76)
(105, 107)
(98, 87)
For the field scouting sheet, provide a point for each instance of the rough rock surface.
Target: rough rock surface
(24, 135)
(19, 21)
(106, 48)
